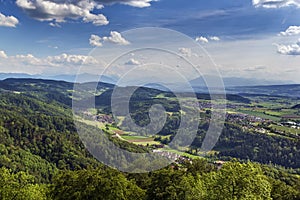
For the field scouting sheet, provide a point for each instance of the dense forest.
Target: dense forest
(42, 156)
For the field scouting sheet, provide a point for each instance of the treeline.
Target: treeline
(192, 181)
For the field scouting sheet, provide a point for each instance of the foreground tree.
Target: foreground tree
(94, 184)
(19, 186)
(238, 181)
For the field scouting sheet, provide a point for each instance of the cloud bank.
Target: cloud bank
(50, 61)
(59, 11)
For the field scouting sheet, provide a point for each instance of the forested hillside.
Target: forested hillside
(42, 157)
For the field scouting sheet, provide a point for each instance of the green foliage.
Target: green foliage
(20, 186)
(18, 159)
(94, 184)
(238, 181)
(43, 133)
(165, 184)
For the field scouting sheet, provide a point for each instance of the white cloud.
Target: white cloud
(28, 63)
(95, 41)
(60, 11)
(292, 30)
(26, 4)
(3, 54)
(214, 38)
(59, 60)
(97, 20)
(53, 47)
(139, 4)
(9, 21)
(115, 37)
(132, 61)
(202, 39)
(276, 3)
(187, 52)
(28, 59)
(292, 49)
(134, 3)
(70, 59)
(53, 24)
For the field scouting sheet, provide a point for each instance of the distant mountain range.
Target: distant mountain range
(236, 81)
(81, 78)
(197, 84)
(287, 90)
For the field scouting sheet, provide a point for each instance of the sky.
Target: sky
(244, 38)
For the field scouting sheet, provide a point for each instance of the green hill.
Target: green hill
(42, 157)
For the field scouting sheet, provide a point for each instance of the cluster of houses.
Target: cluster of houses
(100, 117)
(104, 119)
(178, 159)
(172, 156)
(258, 124)
(245, 119)
(291, 124)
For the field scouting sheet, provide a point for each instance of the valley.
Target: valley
(39, 138)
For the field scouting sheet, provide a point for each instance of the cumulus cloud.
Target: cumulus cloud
(24, 63)
(20, 63)
(115, 38)
(28, 59)
(132, 61)
(59, 11)
(59, 60)
(214, 38)
(292, 30)
(202, 39)
(95, 41)
(9, 21)
(70, 59)
(292, 49)
(3, 54)
(276, 3)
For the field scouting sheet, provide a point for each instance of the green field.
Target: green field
(285, 129)
(259, 114)
(139, 140)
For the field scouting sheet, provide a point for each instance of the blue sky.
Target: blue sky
(258, 38)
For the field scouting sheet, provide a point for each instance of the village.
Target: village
(265, 126)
